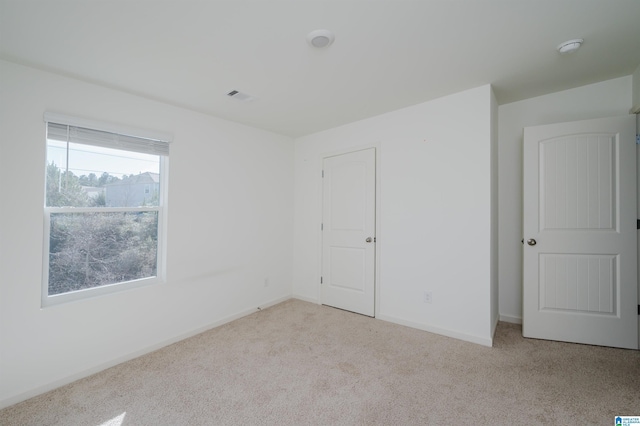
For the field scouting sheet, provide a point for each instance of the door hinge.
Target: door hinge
(637, 139)
(320, 280)
(323, 173)
(637, 223)
(638, 309)
(322, 226)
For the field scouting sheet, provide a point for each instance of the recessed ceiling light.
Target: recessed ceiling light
(320, 38)
(570, 46)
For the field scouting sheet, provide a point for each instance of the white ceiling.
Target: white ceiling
(387, 54)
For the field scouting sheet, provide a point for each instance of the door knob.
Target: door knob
(368, 239)
(531, 242)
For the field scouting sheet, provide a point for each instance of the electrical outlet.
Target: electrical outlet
(427, 297)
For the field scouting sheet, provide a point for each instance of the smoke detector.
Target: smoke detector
(320, 38)
(570, 46)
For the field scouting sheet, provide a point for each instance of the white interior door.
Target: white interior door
(348, 231)
(580, 253)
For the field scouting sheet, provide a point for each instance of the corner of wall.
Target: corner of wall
(418, 144)
(635, 84)
(494, 250)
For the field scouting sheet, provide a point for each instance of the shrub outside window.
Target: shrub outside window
(104, 208)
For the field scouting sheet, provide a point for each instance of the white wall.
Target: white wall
(604, 99)
(230, 222)
(434, 212)
(636, 88)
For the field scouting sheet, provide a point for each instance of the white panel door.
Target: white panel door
(580, 253)
(348, 231)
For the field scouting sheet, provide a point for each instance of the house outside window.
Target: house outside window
(105, 202)
(140, 190)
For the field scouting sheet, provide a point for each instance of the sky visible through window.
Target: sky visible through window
(86, 159)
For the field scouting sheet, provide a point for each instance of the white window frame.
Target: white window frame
(161, 209)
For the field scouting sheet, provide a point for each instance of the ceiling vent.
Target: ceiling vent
(240, 96)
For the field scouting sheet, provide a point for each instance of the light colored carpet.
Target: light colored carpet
(302, 364)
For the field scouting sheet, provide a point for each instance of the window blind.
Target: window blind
(66, 132)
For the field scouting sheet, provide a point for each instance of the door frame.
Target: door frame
(319, 191)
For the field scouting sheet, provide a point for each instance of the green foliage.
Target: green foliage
(64, 189)
(94, 249)
(106, 179)
(91, 180)
(99, 201)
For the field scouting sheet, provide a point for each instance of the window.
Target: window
(104, 207)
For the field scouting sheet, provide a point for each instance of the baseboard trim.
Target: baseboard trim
(511, 319)
(128, 357)
(265, 305)
(306, 299)
(484, 341)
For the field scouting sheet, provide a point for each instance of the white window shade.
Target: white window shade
(73, 130)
